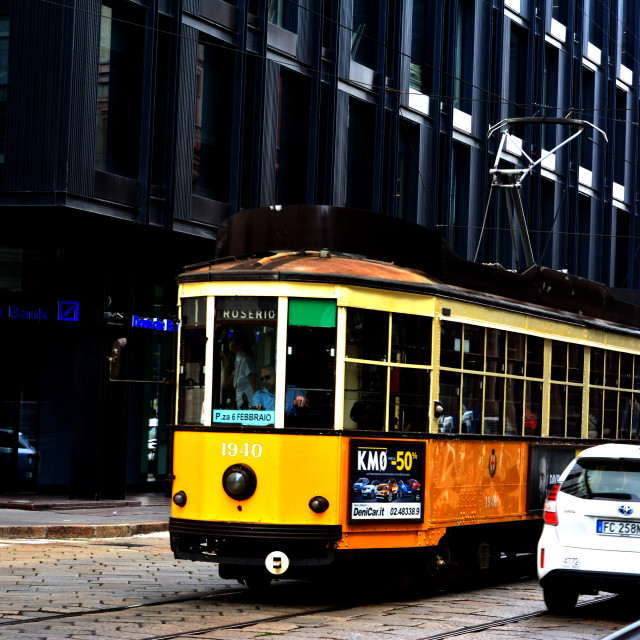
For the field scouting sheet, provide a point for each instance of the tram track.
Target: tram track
(118, 609)
(462, 631)
(453, 633)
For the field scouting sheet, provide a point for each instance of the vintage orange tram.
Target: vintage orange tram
(350, 391)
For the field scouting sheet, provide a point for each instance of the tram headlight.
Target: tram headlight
(239, 481)
(318, 504)
(180, 498)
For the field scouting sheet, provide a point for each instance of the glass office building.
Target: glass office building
(130, 129)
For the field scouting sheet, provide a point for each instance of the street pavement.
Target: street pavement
(133, 589)
(55, 517)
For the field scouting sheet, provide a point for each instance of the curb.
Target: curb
(64, 531)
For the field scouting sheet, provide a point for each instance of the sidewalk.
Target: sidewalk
(56, 517)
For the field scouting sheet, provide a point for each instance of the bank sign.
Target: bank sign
(157, 324)
(386, 481)
(62, 311)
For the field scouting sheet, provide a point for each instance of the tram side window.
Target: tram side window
(193, 340)
(244, 360)
(535, 357)
(626, 371)
(449, 398)
(367, 335)
(595, 412)
(533, 408)
(497, 395)
(390, 390)
(567, 374)
(472, 401)
(311, 363)
(408, 386)
(451, 345)
(365, 384)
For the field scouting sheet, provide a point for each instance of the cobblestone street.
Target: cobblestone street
(133, 588)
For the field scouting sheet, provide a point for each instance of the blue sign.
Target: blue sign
(68, 311)
(248, 417)
(159, 324)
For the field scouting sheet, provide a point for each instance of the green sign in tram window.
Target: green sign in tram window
(307, 312)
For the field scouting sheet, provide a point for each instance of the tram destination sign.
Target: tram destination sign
(246, 417)
(386, 481)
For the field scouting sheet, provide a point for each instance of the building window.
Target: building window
(284, 13)
(212, 136)
(587, 113)
(408, 171)
(462, 53)
(517, 92)
(4, 71)
(458, 210)
(292, 137)
(421, 69)
(364, 34)
(594, 19)
(119, 90)
(543, 226)
(620, 243)
(328, 23)
(627, 25)
(360, 154)
(559, 11)
(550, 96)
(162, 95)
(620, 137)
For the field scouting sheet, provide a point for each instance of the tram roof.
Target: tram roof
(301, 242)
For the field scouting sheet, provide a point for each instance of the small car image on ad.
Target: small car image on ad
(369, 490)
(359, 483)
(591, 536)
(387, 490)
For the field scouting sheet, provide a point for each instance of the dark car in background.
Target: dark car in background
(27, 456)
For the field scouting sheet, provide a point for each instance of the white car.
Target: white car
(591, 536)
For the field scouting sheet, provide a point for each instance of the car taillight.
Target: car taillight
(551, 506)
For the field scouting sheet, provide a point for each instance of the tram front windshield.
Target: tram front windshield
(246, 366)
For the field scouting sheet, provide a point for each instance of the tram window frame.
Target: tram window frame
(312, 339)
(558, 410)
(504, 404)
(626, 370)
(256, 318)
(193, 342)
(534, 367)
(388, 391)
(495, 350)
(596, 367)
(596, 408)
(612, 369)
(451, 344)
(516, 353)
(612, 382)
(474, 347)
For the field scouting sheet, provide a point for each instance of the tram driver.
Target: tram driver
(265, 399)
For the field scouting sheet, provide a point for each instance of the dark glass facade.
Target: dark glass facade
(130, 129)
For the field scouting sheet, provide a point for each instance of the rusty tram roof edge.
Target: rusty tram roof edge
(439, 289)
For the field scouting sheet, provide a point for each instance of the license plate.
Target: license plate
(617, 528)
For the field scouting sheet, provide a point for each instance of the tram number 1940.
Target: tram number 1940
(231, 449)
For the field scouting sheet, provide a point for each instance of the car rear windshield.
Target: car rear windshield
(598, 479)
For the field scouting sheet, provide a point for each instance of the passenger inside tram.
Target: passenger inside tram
(265, 399)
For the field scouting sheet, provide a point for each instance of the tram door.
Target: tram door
(311, 360)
